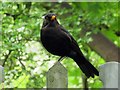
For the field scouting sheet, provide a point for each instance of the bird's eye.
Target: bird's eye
(47, 17)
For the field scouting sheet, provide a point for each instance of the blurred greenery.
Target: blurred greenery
(27, 61)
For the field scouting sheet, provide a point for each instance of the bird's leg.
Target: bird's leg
(60, 59)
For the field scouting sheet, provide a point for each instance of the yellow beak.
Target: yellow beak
(53, 17)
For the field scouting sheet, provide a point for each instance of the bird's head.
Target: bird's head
(48, 18)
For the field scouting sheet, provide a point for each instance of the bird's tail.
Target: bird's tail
(87, 68)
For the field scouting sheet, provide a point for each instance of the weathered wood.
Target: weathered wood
(103, 46)
(57, 76)
(110, 75)
(1, 74)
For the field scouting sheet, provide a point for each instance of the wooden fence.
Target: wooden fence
(1, 77)
(109, 75)
(1, 74)
(57, 75)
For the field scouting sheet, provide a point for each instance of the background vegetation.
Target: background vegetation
(22, 55)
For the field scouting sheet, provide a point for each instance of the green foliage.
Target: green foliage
(27, 61)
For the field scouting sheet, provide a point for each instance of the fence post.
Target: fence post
(110, 75)
(1, 74)
(57, 76)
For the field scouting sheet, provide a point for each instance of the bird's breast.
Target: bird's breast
(55, 41)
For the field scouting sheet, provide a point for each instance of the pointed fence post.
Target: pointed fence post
(110, 75)
(57, 76)
(1, 74)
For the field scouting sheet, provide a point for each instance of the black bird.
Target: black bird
(59, 42)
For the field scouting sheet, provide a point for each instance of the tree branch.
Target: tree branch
(85, 83)
(6, 57)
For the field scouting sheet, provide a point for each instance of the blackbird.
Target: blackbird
(58, 41)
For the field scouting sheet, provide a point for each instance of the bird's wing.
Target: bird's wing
(74, 43)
